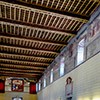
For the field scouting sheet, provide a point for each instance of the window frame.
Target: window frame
(39, 87)
(62, 65)
(44, 82)
(83, 52)
(51, 75)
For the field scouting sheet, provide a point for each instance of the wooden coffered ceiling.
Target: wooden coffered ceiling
(33, 32)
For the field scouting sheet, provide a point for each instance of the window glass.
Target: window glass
(62, 65)
(44, 82)
(51, 76)
(39, 85)
(80, 52)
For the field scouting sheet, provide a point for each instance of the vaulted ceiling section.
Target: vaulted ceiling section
(33, 32)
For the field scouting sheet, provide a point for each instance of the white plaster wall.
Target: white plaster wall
(86, 83)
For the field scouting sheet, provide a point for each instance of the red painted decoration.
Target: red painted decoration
(17, 85)
(32, 88)
(2, 86)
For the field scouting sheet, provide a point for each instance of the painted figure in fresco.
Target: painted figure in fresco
(69, 86)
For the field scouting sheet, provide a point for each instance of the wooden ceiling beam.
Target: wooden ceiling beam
(20, 71)
(28, 41)
(1, 51)
(18, 75)
(21, 67)
(21, 57)
(41, 7)
(34, 39)
(28, 49)
(38, 26)
(3, 35)
(25, 55)
(24, 63)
